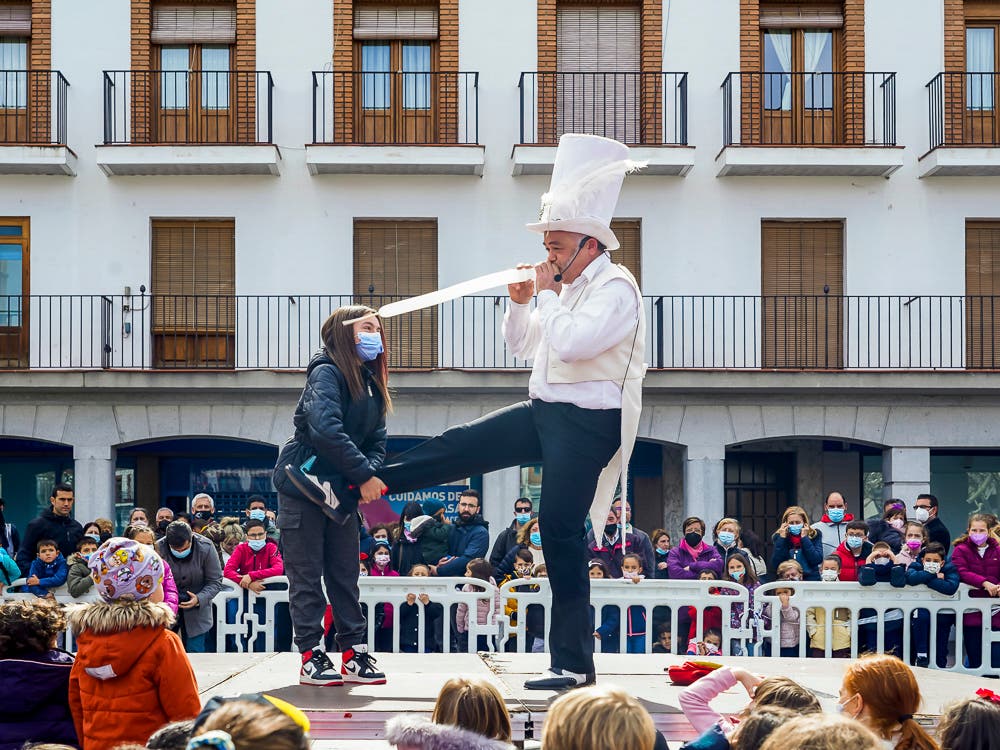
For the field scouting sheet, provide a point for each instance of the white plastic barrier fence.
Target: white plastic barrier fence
(680, 597)
(825, 605)
(818, 604)
(375, 591)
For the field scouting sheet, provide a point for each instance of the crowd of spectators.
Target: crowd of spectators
(901, 546)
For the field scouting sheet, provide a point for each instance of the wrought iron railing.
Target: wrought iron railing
(809, 109)
(188, 106)
(963, 109)
(395, 108)
(719, 332)
(635, 108)
(33, 107)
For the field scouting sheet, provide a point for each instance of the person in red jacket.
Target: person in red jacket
(854, 550)
(252, 561)
(255, 559)
(131, 675)
(977, 558)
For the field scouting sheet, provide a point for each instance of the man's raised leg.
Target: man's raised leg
(503, 438)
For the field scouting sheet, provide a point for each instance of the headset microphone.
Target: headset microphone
(559, 276)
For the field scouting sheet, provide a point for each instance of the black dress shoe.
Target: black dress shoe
(560, 679)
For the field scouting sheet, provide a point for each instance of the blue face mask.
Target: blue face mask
(369, 345)
(661, 551)
(523, 518)
(535, 538)
(836, 514)
(257, 514)
(181, 555)
(256, 544)
(726, 538)
(406, 525)
(854, 542)
(795, 529)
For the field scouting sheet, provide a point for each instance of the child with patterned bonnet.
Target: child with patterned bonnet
(131, 675)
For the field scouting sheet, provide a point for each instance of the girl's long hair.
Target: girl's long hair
(891, 694)
(749, 574)
(338, 340)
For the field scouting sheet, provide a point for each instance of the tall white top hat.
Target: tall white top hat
(586, 179)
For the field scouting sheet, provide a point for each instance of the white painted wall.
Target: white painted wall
(294, 233)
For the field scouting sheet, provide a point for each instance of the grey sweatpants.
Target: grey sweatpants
(313, 546)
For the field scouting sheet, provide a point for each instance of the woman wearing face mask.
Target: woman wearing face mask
(740, 571)
(407, 552)
(881, 692)
(727, 537)
(339, 442)
(977, 557)
(796, 540)
(661, 548)
(529, 537)
(687, 559)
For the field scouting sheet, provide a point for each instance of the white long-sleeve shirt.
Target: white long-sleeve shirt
(573, 334)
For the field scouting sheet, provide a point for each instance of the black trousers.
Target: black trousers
(573, 445)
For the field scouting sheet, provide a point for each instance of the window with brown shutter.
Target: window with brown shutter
(395, 259)
(15, 255)
(982, 289)
(629, 234)
(193, 292)
(802, 284)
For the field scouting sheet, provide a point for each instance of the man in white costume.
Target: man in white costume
(586, 337)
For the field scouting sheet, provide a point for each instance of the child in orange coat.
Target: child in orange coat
(131, 675)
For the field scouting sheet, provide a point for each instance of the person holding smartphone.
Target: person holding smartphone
(338, 445)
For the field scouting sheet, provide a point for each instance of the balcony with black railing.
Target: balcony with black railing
(646, 110)
(963, 125)
(33, 123)
(806, 124)
(367, 122)
(153, 118)
(841, 333)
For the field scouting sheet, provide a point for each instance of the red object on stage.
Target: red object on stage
(690, 671)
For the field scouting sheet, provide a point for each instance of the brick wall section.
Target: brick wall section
(42, 110)
(954, 62)
(244, 60)
(853, 61)
(345, 108)
(651, 90)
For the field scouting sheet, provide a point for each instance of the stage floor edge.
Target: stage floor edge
(359, 712)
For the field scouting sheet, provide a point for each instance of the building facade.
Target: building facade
(188, 188)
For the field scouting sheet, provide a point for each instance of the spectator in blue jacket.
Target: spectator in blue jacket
(48, 570)
(933, 570)
(796, 540)
(469, 537)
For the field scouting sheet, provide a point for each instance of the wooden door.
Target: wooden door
(15, 90)
(193, 293)
(399, 92)
(14, 292)
(981, 83)
(801, 95)
(982, 289)
(802, 286)
(195, 93)
(597, 86)
(395, 259)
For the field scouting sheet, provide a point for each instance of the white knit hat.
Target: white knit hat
(586, 179)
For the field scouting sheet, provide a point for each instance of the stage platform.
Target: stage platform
(354, 716)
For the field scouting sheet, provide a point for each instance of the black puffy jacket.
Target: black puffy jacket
(63, 530)
(347, 436)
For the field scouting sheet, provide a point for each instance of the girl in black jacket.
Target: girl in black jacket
(340, 435)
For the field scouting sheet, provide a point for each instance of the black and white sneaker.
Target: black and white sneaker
(359, 666)
(320, 493)
(560, 679)
(317, 669)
